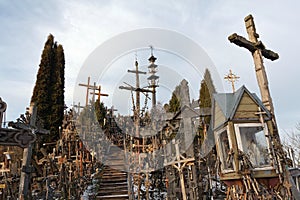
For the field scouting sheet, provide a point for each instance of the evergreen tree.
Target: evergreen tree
(174, 103)
(48, 93)
(205, 101)
(100, 113)
(57, 93)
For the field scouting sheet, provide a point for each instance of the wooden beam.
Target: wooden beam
(252, 47)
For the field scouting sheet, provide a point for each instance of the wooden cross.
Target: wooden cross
(99, 94)
(137, 90)
(232, 78)
(78, 107)
(179, 163)
(258, 51)
(88, 87)
(111, 111)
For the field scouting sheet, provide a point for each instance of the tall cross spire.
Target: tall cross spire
(153, 78)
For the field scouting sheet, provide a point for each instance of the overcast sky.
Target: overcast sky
(81, 26)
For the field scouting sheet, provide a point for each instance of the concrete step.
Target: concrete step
(112, 184)
(118, 197)
(112, 192)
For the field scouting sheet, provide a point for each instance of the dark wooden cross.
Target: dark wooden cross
(258, 51)
(22, 136)
(88, 87)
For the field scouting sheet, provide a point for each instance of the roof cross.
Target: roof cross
(232, 78)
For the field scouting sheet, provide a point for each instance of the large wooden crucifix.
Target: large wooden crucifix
(258, 51)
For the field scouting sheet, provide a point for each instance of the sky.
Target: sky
(81, 26)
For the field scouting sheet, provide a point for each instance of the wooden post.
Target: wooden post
(80, 159)
(180, 172)
(27, 153)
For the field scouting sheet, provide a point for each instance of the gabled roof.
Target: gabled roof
(228, 102)
(188, 111)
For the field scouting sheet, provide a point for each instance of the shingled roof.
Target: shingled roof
(229, 102)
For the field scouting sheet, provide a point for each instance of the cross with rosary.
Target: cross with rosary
(232, 78)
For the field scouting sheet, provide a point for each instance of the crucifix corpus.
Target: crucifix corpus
(258, 50)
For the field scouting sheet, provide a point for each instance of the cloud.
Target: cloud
(80, 26)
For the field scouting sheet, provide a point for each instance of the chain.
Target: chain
(145, 106)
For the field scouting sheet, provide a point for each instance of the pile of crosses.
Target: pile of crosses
(34, 171)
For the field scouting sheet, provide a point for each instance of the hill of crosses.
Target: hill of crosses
(215, 146)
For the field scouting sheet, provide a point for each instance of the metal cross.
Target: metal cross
(232, 78)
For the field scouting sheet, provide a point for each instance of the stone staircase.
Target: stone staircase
(114, 184)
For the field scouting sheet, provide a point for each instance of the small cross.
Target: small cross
(261, 117)
(232, 78)
(78, 107)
